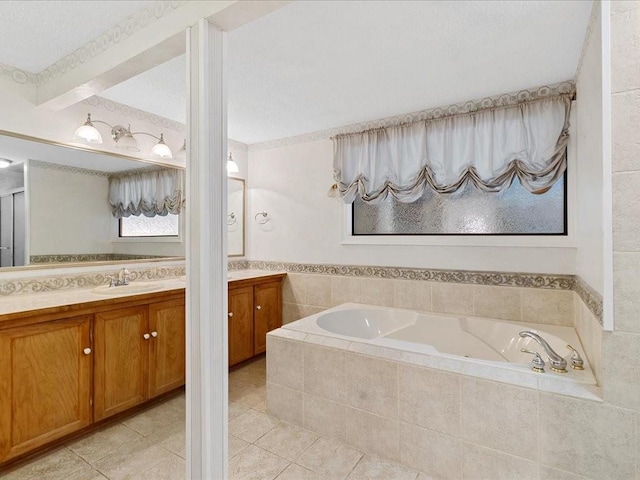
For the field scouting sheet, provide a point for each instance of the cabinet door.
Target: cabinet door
(45, 383)
(167, 352)
(268, 313)
(240, 324)
(121, 360)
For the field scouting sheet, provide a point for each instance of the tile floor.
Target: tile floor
(151, 446)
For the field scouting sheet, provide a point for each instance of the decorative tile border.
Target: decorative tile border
(591, 298)
(66, 168)
(88, 257)
(512, 98)
(67, 282)
(507, 279)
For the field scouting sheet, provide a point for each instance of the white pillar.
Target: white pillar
(207, 361)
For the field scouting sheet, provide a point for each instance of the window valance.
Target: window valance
(489, 148)
(148, 193)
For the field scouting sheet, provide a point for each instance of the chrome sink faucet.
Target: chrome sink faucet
(123, 278)
(558, 364)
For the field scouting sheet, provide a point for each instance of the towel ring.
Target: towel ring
(264, 219)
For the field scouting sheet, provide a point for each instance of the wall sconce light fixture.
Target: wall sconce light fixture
(124, 138)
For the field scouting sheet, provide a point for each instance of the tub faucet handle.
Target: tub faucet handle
(576, 360)
(537, 363)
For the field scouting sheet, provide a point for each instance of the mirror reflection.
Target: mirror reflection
(235, 217)
(61, 205)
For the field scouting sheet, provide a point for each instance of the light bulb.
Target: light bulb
(5, 162)
(87, 132)
(161, 149)
(232, 166)
(127, 142)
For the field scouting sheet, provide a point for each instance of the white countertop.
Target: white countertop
(58, 298)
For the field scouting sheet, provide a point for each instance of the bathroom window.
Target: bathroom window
(158, 226)
(471, 212)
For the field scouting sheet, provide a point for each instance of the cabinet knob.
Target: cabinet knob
(146, 336)
(86, 351)
(154, 334)
(258, 307)
(230, 314)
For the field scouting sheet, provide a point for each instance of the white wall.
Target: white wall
(10, 180)
(68, 212)
(291, 184)
(589, 117)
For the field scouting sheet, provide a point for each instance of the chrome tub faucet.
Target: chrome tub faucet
(558, 364)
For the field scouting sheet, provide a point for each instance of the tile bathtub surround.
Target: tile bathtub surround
(446, 291)
(449, 425)
(305, 295)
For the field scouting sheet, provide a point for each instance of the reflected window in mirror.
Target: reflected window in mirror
(158, 226)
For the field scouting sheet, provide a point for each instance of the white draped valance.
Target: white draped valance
(148, 193)
(489, 148)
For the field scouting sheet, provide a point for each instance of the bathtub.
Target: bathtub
(478, 346)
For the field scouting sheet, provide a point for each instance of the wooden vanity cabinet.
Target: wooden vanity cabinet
(64, 368)
(255, 308)
(45, 383)
(140, 354)
(121, 360)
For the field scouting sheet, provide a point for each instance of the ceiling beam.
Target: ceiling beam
(157, 43)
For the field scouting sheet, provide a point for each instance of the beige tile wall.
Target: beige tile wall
(305, 294)
(448, 425)
(621, 348)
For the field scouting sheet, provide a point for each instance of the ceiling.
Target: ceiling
(313, 65)
(61, 26)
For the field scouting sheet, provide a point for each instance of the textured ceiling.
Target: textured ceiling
(36, 34)
(316, 65)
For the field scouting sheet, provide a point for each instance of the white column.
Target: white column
(207, 361)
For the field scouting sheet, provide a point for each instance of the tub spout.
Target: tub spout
(558, 363)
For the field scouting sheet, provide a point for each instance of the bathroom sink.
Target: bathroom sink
(135, 287)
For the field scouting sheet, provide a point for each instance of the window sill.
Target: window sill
(147, 240)
(529, 241)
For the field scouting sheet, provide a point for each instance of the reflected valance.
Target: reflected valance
(489, 148)
(148, 193)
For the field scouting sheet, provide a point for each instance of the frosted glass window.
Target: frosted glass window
(158, 226)
(472, 212)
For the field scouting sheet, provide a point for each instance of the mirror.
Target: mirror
(54, 208)
(235, 217)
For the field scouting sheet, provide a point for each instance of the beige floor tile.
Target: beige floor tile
(173, 438)
(236, 445)
(372, 468)
(86, 473)
(254, 463)
(131, 459)
(246, 393)
(154, 419)
(296, 472)
(236, 409)
(261, 407)
(100, 444)
(57, 465)
(171, 468)
(179, 403)
(251, 425)
(330, 458)
(287, 441)
(255, 376)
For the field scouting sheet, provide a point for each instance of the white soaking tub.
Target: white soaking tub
(480, 347)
